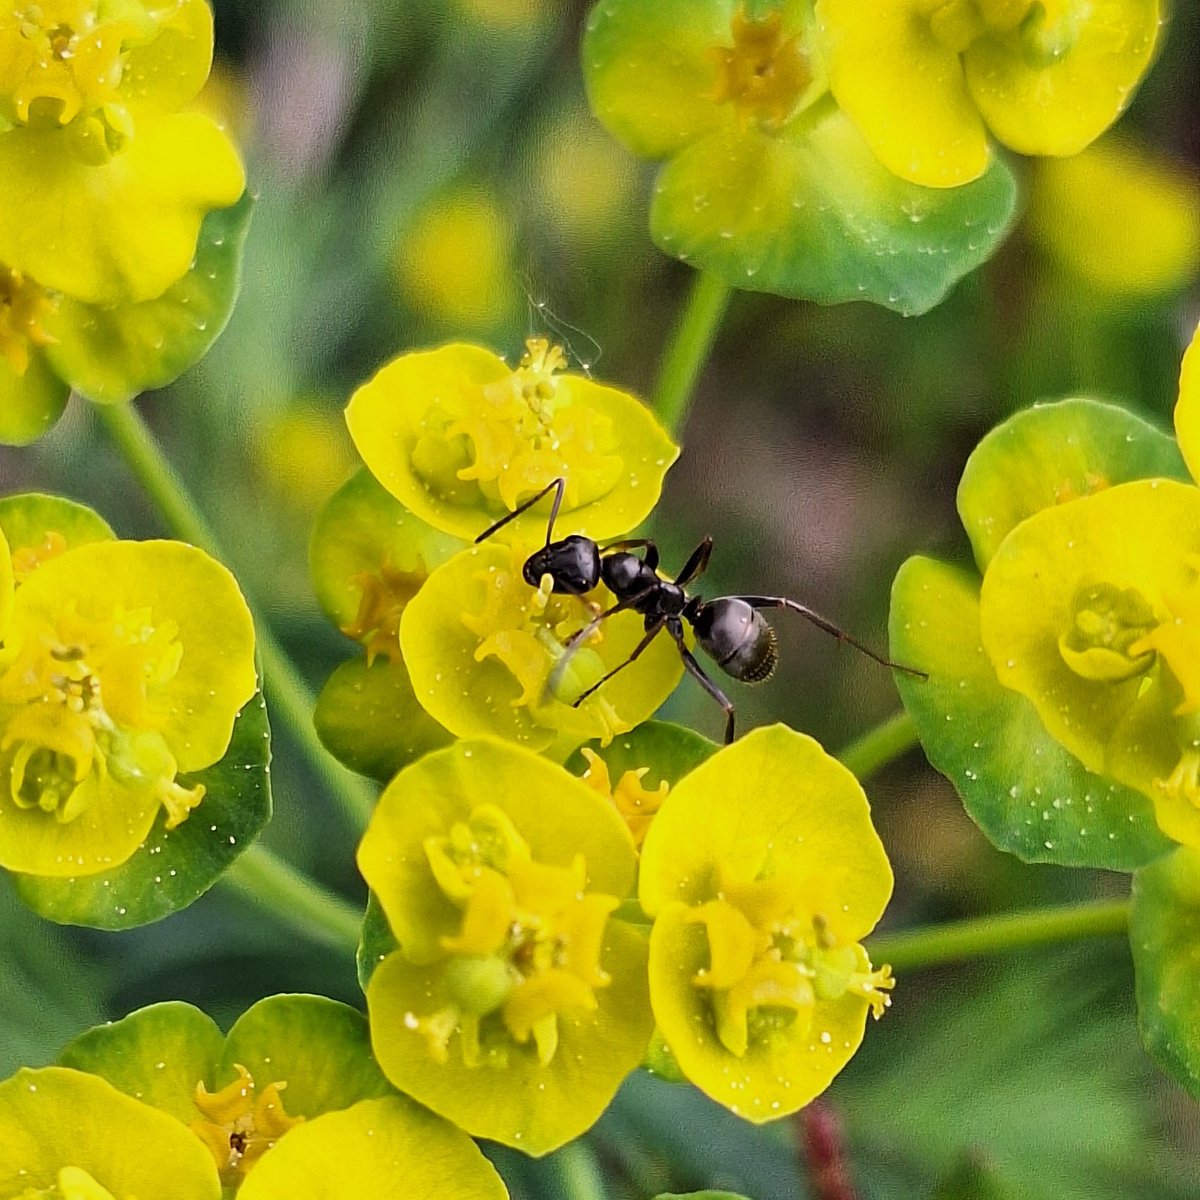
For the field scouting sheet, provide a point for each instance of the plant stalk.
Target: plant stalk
(869, 754)
(978, 937)
(288, 696)
(294, 899)
(688, 349)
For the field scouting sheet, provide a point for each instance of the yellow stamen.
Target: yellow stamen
(241, 1123)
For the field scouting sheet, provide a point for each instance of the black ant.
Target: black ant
(731, 629)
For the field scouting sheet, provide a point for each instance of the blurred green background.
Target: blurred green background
(429, 172)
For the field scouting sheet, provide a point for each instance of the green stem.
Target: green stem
(288, 695)
(578, 1173)
(691, 341)
(293, 898)
(878, 747)
(981, 936)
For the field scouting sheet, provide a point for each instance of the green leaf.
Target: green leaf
(1051, 453)
(112, 354)
(813, 214)
(172, 869)
(368, 718)
(1025, 791)
(376, 942)
(670, 751)
(1164, 934)
(26, 519)
(157, 1054)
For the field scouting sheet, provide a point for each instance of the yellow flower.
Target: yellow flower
(460, 439)
(763, 873)
(1124, 221)
(926, 80)
(123, 665)
(106, 182)
(514, 1006)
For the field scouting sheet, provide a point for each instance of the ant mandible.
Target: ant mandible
(731, 629)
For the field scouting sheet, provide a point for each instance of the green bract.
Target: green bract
(513, 1006)
(369, 718)
(1060, 469)
(482, 645)
(763, 874)
(768, 183)
(460, 439)
(116, 271)
(69, 1134)
(123, 668)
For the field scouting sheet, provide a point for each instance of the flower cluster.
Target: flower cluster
(509, 993)
(454, 440)
(290, 1103)
(107, 186)
(1081, 649)
(812, 152)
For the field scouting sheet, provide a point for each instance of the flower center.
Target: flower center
(958, 23)
(77, 707)
(1105, 640)
(385, 593)
(636, 803)
(528, 632)
(241, 1123)
(766, 73)
(517, 434)
(770, 965)
(24, 306)
(528, 948)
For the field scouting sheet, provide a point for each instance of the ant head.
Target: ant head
(573, 564)
(737, 637)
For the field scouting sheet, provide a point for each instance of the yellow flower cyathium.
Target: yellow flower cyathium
(123, 665)
(925, 80)
(636, 803)
(514, 1006)
(460, 438)
(240, 1123)
(482, 647)
(1091, 610)
(762, 872)
(106, 181)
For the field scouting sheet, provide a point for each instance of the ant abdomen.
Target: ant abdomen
(737, 637)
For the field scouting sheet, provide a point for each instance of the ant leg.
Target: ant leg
(828, 626)
(697, 564)
(555, 485)
(696, 671)
(651, 634)
(651, 559)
